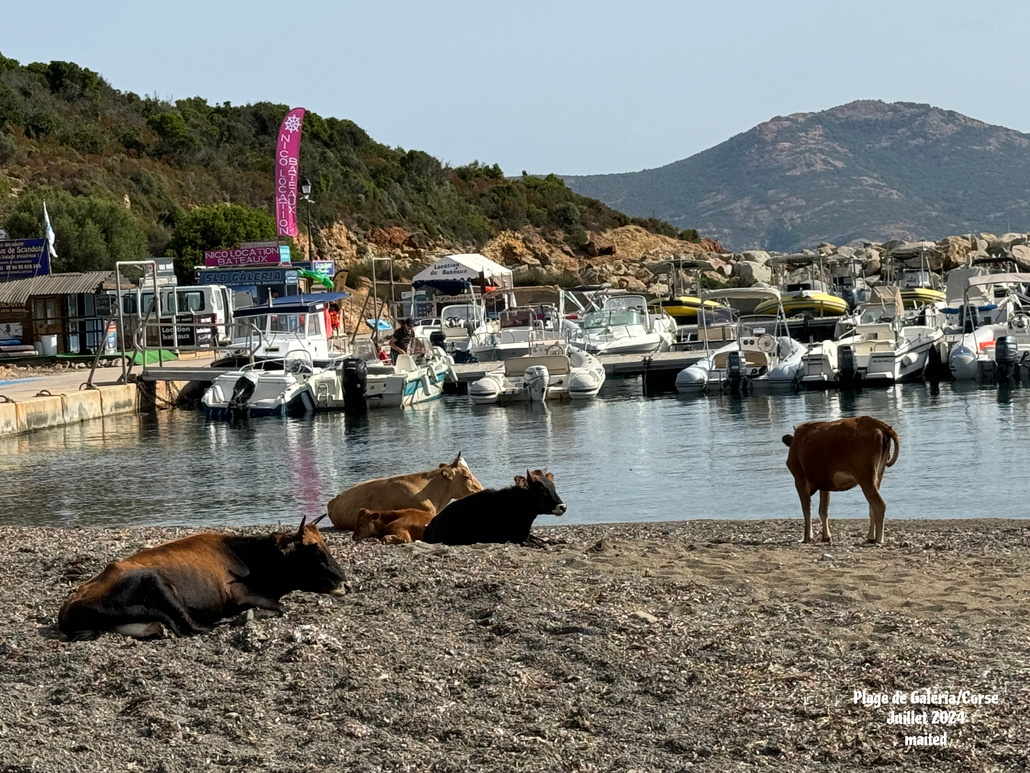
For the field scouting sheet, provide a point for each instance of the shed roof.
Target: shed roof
(18, 292)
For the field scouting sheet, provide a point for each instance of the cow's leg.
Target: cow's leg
(806, 508)
(824, 513)
(147, 597)
(397, 539)
(877, 512)
(245, 598)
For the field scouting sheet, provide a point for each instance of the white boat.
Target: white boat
(625, 326)
(464, 327)
(761, 357)
(522, 330)
(996, 350)
(283, 361)
(881, 345)
(368, 382)
(577, 375)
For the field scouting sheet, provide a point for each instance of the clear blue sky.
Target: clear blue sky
(575, 87)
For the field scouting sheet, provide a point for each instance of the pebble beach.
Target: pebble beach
(699, 645)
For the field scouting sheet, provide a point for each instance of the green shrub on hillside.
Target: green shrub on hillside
(215, 228)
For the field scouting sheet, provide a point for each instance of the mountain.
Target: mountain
(124, 175)
(867, 170)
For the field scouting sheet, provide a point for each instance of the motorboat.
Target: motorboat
(761, 357)
(282, 362)
(805, 299)
(682, 305)
(684, 309)
(522, 330)
(366, 381)
(995, 340)
(464, 327)
(920, 287)
(577, 375)
(623, 325)
(881, 344)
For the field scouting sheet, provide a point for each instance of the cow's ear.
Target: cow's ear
(521, 482)
(549, 476)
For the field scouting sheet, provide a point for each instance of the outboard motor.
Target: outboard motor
(1006, 355)
(736, 372)
(437, 338)
(242, 391)
(537, 379)
(355, 382)
(847, 364)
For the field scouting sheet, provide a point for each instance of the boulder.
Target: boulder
(756, 256)
(630, 283)
(598, 245)
(748, 272)
(953, 251)
(825, 249)
(1021, 256)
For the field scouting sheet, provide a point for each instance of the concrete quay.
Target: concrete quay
(42, 401)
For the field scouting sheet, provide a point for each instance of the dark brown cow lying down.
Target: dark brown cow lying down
(392, 526)
(190, 584)
(838, 455)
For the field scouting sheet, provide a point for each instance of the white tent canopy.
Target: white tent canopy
(467, 267)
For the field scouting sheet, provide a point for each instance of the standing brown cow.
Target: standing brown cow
(838, 455)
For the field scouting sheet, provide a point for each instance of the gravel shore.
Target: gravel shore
(703, 645)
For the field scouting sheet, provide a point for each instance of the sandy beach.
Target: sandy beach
(705, 645)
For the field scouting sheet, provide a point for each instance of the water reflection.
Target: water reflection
(621, 457)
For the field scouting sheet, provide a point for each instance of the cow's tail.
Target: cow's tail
(890, 435)
(786, 439)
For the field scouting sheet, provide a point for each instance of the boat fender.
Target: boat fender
(426, 385)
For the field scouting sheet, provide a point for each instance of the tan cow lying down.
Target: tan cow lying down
(838, 455)
(392, 526)
(430, 490)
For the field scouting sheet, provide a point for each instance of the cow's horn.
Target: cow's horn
(300, 531)
(321, 517)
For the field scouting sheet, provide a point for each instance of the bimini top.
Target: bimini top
(749, 293)
(454, 273)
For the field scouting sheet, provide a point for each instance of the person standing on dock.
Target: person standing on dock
(400, 342)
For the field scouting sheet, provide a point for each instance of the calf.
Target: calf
(190, 584)
(497, 515)
(392, 526)
(429, 490)
(838, 455)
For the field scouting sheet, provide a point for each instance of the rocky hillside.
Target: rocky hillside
(863, 171)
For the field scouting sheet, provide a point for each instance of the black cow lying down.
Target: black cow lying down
(190, 584)
(497, 515)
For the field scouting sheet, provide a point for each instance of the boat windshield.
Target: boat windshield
(757, 325)
(605, 318)
(871, 315)
(517, 318)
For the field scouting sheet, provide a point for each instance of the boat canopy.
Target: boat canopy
(309, 298)
(743, 293)
(453, 274)
(291, 304)
(998, 279)
(885, 295)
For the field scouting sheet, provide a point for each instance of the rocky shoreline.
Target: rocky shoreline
(702, 645)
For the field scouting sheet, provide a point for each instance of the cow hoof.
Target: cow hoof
(827, 540)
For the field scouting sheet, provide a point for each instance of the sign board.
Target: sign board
(10, 331)
(284, 253)
(165, 273)
(251, 277)
(22, 259)
(240, 257)
(324, 267)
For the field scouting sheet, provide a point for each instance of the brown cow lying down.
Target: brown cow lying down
(838, 455)
(392, 526)
(430, 490)
(190, 584)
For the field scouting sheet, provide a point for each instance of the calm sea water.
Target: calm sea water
(622, 457)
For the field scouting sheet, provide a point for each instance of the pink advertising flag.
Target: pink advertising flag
(287, 162)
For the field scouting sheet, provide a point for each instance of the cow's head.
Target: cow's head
(541, 485)
(309, 565)
(368, 526)
(460, 480)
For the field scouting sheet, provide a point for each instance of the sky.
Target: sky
(573, 87)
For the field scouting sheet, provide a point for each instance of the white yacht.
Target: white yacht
(880, 345)
(522, 330)
(577, 375)
(282, 362)
(625, 326)
(369, 382)
(464, 327)
(998, 348)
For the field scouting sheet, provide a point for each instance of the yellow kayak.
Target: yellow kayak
(683, 308)
(813, 302)
(913, 297)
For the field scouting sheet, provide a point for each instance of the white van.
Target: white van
(187, 305)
